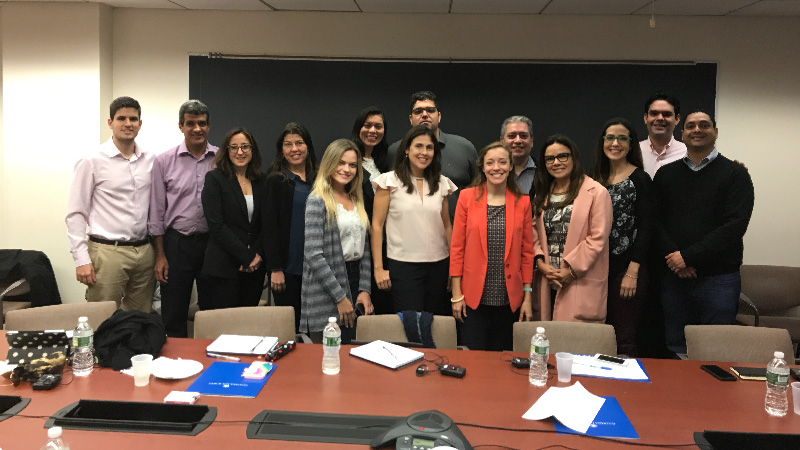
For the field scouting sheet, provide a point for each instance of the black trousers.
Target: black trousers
(488, 328)
(243, 290)
(420, 286)
(185, 258)
(291, 296)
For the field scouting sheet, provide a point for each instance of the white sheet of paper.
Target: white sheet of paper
(573, 406)
(588, 365)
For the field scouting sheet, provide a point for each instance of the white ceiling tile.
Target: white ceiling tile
(603, 7)
(154, 4)
(404, 6)
(313, 5)
(498, 6)
(771, 8)
(229, 5)
(695, 7)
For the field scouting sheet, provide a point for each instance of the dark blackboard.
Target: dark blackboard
(474, 97)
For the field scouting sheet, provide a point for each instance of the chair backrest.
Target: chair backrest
(389, 328)
(735, 343)
(59, 317)
(573, 337)
(771, 288)
(248, 320)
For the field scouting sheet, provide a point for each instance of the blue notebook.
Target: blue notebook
(225, 378)
(610, 421)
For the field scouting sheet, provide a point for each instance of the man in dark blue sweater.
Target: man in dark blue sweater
(705, 204)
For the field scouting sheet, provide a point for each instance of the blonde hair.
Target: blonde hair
(322, 185)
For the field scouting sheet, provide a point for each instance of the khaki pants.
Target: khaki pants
(124, 275)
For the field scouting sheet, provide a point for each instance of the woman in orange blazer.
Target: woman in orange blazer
(573, 220)
(491, 254)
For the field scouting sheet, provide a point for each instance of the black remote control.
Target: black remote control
(452, 371)
(280, 351)
(521, 363)
(47, 382)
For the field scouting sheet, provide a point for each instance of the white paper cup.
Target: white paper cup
(141, 369)
(796, 396)
(564, 365)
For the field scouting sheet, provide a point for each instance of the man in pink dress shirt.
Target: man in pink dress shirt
(176, 221)
(110, 195)
(662, 112)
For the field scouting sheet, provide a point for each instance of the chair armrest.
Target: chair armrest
(303, 338)
(743, 298)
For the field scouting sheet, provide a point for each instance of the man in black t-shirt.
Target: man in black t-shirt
(705, 202)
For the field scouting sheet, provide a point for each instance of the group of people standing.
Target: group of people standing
(425, 224)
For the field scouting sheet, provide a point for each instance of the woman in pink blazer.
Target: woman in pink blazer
(491, 254)
(573, 220)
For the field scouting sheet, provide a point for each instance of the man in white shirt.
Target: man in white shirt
(662, 112)
(110, 194)
(516, 133)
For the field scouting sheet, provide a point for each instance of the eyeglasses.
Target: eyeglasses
(419, 111)
(245, 148)
(623, 139)
(664, 114)
(561, 157)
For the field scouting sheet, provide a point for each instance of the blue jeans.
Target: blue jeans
(705, 300)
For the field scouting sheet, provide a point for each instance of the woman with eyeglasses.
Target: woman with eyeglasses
(231, 199)
(573, 220)
(491, 256)
(618, 166)
(412, 202)
(337, 271)
(289, 181)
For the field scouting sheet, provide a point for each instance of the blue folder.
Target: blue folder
(225, 378)
(610, 421)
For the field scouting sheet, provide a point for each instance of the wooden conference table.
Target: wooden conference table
(679, 400)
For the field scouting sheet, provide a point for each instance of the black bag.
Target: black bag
(126, 334)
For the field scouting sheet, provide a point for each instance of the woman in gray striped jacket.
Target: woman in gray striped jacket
(337, 266)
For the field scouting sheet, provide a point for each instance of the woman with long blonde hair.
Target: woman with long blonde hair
(337, 266)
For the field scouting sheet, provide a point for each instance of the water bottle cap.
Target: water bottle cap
(83, 319)
(779, 355)
(54, 432)
(540, 330)
(331, 319)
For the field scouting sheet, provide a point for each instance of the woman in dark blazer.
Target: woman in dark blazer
(289, 181)
(232, 198)
(491, 254)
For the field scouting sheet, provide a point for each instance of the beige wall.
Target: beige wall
(758, 92)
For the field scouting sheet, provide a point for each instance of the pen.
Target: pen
(390, 352)
(598, 366)
(217, 355)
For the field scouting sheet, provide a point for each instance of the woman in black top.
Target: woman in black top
(369, 135)
(618, 167)
(289, 181)
(231, 198)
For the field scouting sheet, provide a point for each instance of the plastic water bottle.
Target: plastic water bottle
(54, 441)
(331, 343)
(776, 402)
(82, 348)
(540, 352)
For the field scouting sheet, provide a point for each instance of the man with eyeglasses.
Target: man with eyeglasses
(458, 154)
(705, 202)
(176, 219)
(110, 194)
(662, 112)
(516, 134)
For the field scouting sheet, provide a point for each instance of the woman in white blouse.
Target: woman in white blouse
(336, 266)
(411, 201)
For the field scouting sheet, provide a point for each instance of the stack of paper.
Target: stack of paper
(387, 354)
(242, 345)
(573, 406)
(591, 367)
